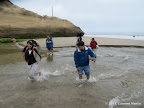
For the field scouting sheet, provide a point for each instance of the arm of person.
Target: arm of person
(51, 41)
(76, 60)
(90, 44)
(20, 48)
(92, 54)
(38, 45)
(96, 43)
(48, 41)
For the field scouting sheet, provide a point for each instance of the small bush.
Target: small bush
(4, 40)
(8, 40)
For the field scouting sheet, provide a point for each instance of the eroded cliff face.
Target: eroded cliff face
(4, 1)
(20, 23)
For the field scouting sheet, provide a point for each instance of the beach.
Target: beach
(60, 42)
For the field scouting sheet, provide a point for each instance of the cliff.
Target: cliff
(20, 23)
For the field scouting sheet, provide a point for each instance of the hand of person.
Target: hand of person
(78, 68)
(97, 46)
(93, 58)
(14, 40)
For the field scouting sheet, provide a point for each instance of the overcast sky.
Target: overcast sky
(93, 15)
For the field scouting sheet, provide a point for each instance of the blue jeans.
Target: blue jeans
(86, 69)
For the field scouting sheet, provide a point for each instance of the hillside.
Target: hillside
(20, 23)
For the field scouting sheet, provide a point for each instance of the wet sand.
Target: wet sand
(106, 42)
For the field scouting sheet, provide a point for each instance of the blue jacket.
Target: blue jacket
(81, 58)
(49, 42)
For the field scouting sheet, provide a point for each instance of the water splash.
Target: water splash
(56, 73)
(127, 57)
(46, 74)
(92, 79)
(84, 81)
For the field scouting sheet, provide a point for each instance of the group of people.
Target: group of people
(81, 56)
(93, 43)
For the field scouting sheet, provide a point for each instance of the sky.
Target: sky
(93, 15)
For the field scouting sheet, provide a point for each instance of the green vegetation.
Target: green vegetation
(8, 40)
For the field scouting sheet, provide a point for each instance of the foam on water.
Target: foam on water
(98, 55)
(111, 75)
(67, 67)
(124, 98)
(118, 36)
(127, 57)
(109, 55)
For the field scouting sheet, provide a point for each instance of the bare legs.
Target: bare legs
(80, 77)
(39, 72)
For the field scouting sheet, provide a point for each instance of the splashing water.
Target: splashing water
(91, 80)
(127, 57)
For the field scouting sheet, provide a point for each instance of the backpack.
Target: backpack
(25, 50)
(38, 53)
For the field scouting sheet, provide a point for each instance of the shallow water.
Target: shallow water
(116, 77)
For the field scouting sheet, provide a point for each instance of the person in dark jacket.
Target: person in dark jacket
(32, 57)
(81, 58)
(79, 35)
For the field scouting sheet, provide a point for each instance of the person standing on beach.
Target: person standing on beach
(78, 40)
(32, 57)
(49, 44)
(79, 35)
(81, 58)
(93, 45)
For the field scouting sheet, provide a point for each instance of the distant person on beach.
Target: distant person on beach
(49, 44)
(93, 45)
(78, 40)
(81, 58)
(79, 35)
(32, 57)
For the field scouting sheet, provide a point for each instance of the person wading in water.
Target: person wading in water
(32, 57)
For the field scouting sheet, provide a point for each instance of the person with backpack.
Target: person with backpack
(79, 35)
(32, 57)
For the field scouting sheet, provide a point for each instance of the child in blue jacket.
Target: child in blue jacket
(49, 44)
(81, 58)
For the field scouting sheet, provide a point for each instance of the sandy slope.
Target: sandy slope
(18, 22)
